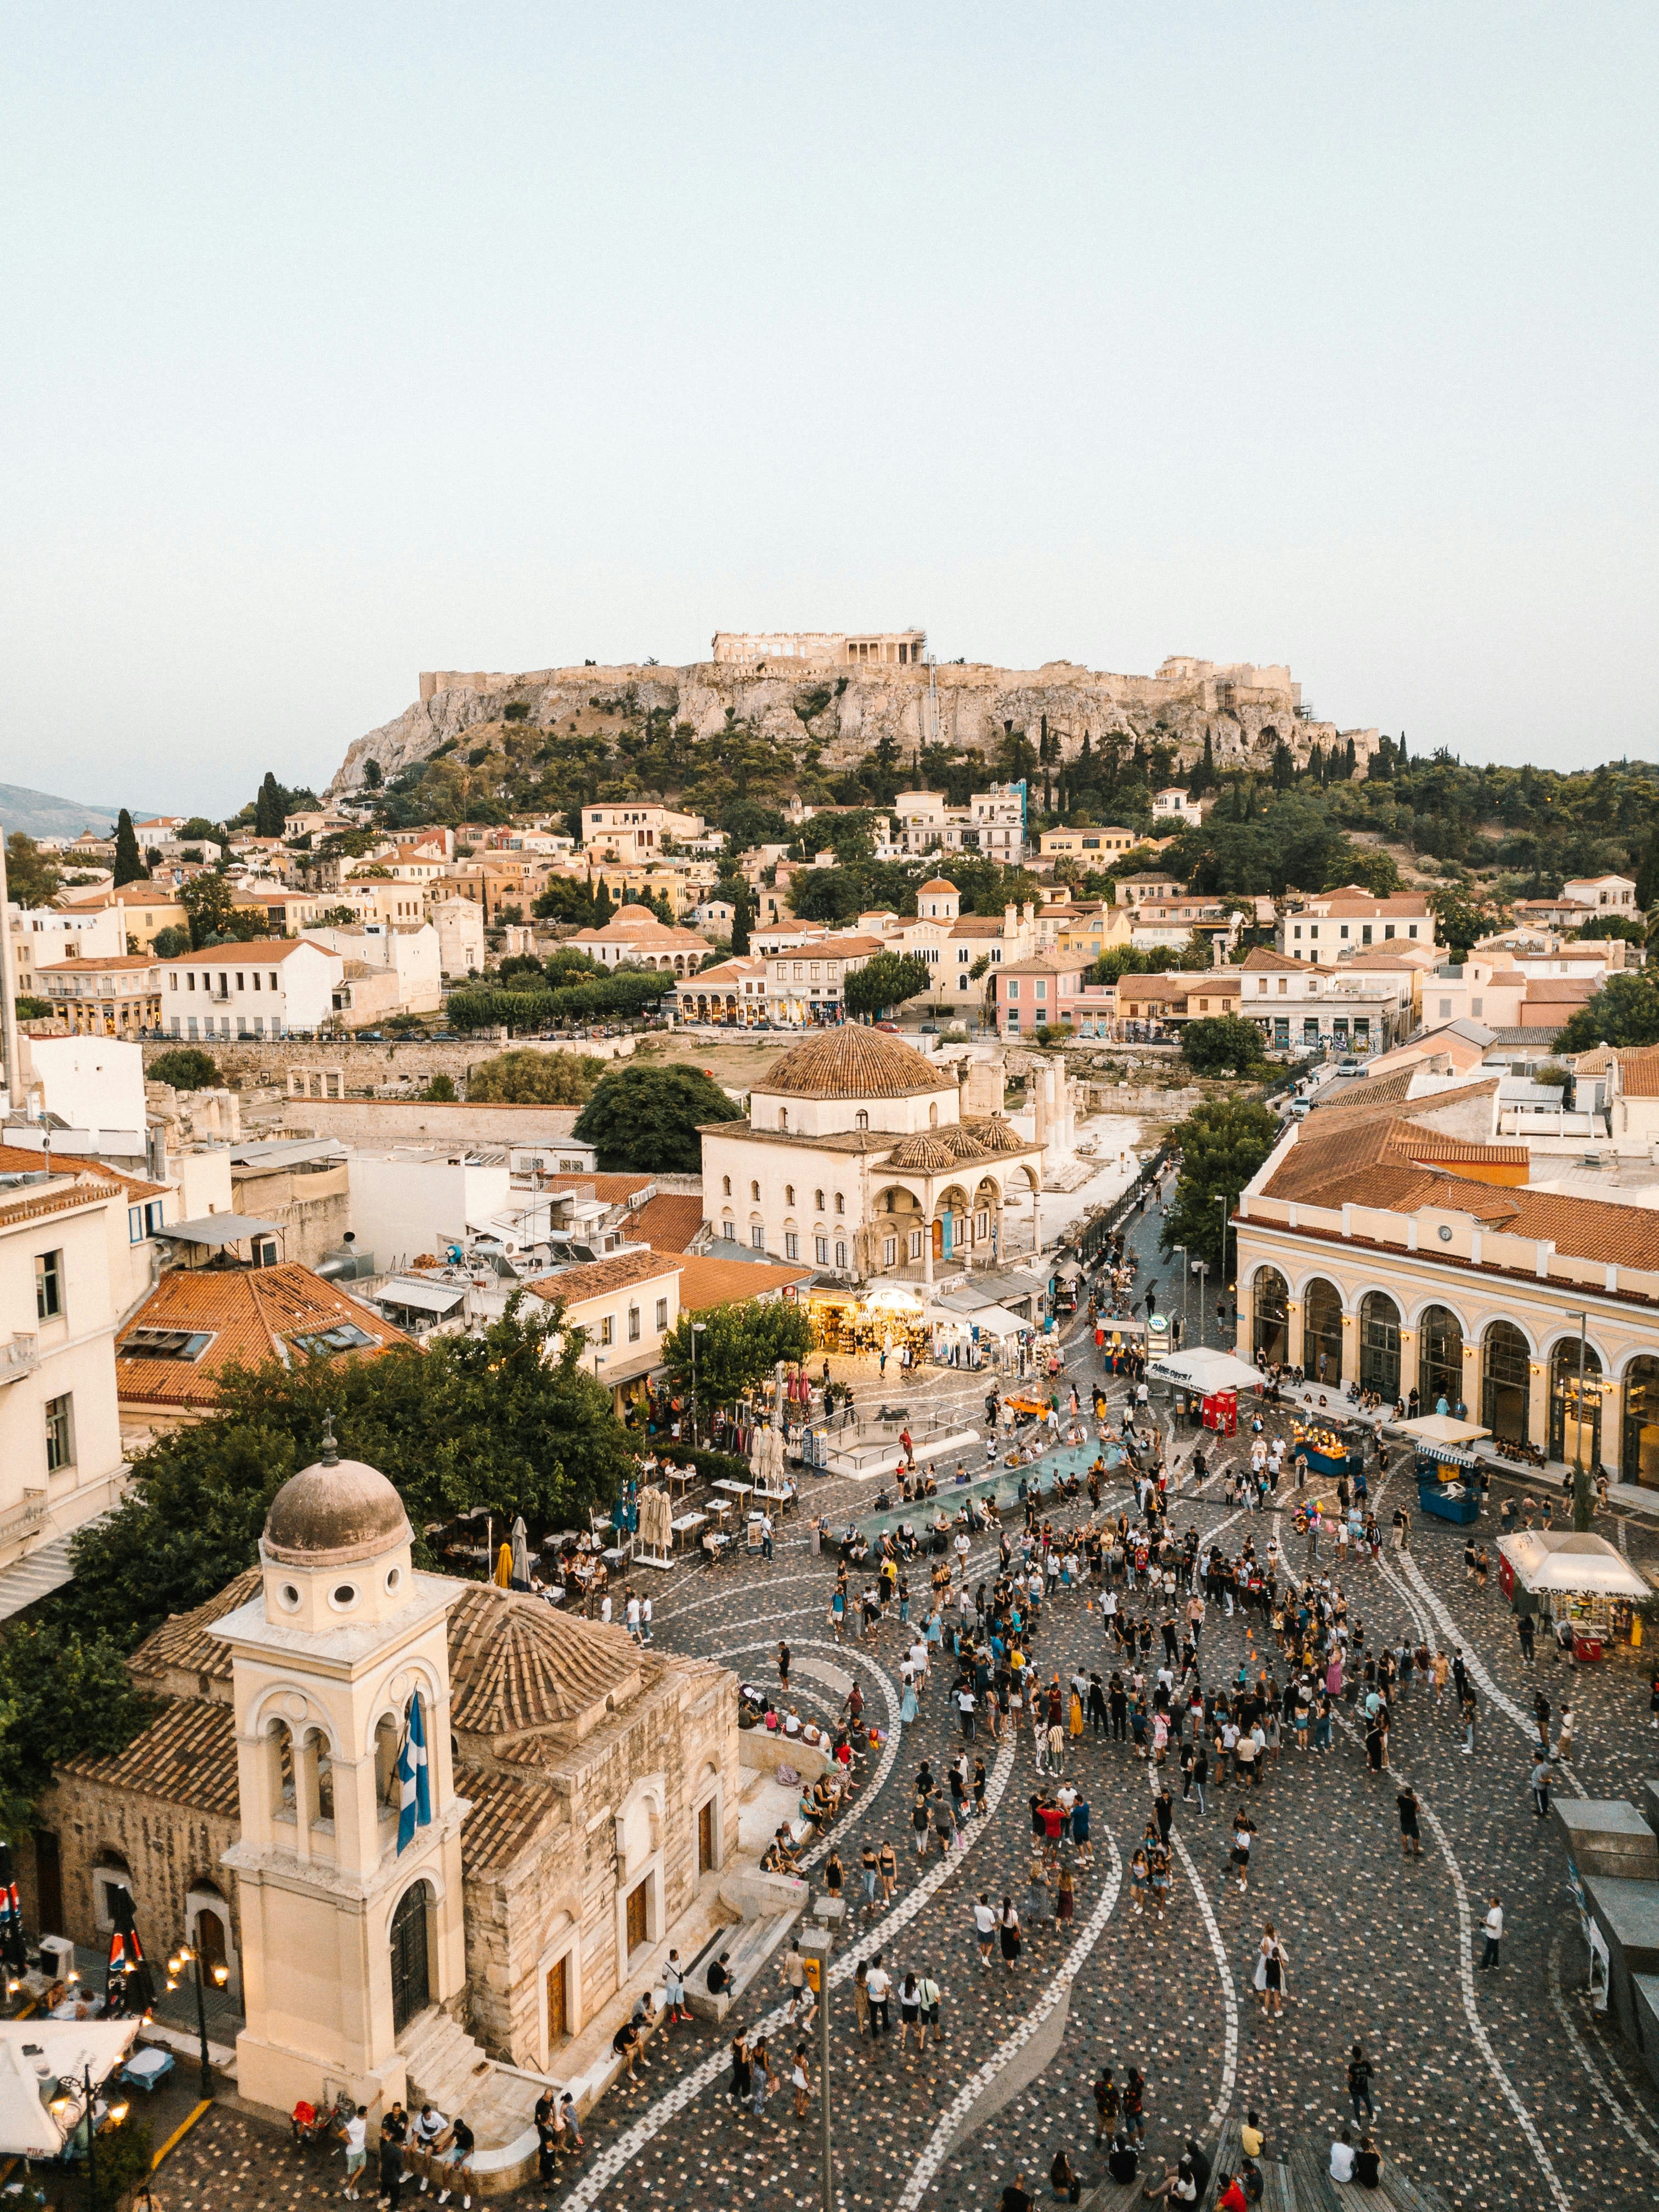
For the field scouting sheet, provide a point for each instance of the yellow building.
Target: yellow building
(114, 998)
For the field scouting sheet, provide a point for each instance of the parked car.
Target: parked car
(891, 1027)
(929, 1029)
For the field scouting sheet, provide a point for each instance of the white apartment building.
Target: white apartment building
(60, 1432)
(992, 823)
(1298, 1005)
(273, 989)
(460, 926)
(1607, 894)
(1173, 810)
(406, 950)
(114, 996)
(1336, 925)
(41, 937)
(804, 986)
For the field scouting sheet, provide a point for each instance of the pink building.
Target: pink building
(1049, 989)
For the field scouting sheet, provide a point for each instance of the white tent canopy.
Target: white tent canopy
(1443, 1429)
(1551, 1564)
(33, 2051)
(1205, 1370)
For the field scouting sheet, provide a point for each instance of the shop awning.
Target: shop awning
(218, 1228)
(893, 1298)
(996, 1320)
(33, 2050)
(1552, 1563)
(1205, 1370)
(1442, 1428)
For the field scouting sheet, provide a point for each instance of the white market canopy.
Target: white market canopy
(1442, 1428)
(1205, 1370)
(36, 2051)
(1552, 1563)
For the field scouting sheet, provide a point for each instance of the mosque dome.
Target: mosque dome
(852, 1062)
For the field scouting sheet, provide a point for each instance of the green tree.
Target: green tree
(1623, 1011)
(187, 1067)
(1647, 874)
(603, 907)
(1463, 920)
(269, 808)
(888, 980)
(1223, 1040)
(743, 918)
(207, 901)
(1633, 931)
(440, 1092)
(642, 1117)
(831, 895)
(129, 863)
(534, 1078)
(168, 944)
(31, 879)
(373, 775)
(1222, 1143)
(508, 1419)
(56, 1686)
(737, 1346)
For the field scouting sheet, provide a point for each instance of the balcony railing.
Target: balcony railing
(24, 1519)
(21, 1356)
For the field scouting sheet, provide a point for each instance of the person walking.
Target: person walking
(861, 1997)
(1009, 1934)
(800, 2080)
(391, 2164)
(1359, 2083)
(1541, 1785)
(880, 1985)
(1107, 2103)
(985, 1928)
(1493, 1932)
(357, 2150)
(1270, 1972)
(761, 2075)
(1411, 1842)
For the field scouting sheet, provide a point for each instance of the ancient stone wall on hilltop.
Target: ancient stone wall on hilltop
(967, 705)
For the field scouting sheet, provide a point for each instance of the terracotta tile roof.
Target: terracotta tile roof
(852, 1061)
(977, 925)
(509, 1814)
(706, 1282)
(86, 965)
(668, 1222)
(1565, 989)
(575, 1285)
(252, 1315)
(258, 951)
(937, 883)
(614, 1189)
(1420, 1144)
(19, 1159)
(187, 1756)
(1639, 1073)
(1263, 956)
(516, 1666)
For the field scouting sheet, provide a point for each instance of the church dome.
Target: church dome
(938, 883)
(852, 1061)
(336, 1512)
(997, 1135)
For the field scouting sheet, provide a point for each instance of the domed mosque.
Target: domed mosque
(423, 1824)
(857, 1159)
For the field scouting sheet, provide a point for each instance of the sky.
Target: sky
(343, 342)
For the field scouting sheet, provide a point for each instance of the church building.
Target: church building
(425, 1823)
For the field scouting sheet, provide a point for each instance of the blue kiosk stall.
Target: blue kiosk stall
(1446, 1468)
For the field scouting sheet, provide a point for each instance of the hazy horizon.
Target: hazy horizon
(345, 346)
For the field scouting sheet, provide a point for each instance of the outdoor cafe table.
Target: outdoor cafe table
(782, 1498)
(718, 1508)
(685, 1529)
(681, 1480)
(739, 1491)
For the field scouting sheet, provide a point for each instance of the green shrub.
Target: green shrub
(186, 1068)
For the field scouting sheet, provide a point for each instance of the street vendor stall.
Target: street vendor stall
(1328, 1450)
(890, 1316)
(1214, 1376)
(1446, 1469)
(969, 1331)
(1582, 1583)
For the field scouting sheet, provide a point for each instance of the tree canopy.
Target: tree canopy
(644, 1116)
(534, 1078)
(1220, 1041)
(737, 1346)
(129, 866)
(31, 878)
(187, 1067)
(1623, 1011)
(888, 980)
(1223, 1143)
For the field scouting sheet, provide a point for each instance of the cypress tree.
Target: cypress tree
(743, 915)
(603, 908)
(129, 866)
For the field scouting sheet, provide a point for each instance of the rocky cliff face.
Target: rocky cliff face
(850, 710)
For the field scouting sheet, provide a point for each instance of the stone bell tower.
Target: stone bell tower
(346, 1940)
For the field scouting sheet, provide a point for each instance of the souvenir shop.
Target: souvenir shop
(1587, 1592)
(887, 1317)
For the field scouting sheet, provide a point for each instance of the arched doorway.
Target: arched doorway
(1638, 1462)
(1505, 1388)
(1322, 1331)
(411, 1989)
(1379, 1344)
(1440, 1359)
(1574, 1435)
(1271, 1336)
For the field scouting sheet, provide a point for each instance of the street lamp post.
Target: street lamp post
(183, 1957)
(1225, 1204)
(816, 1944)
(1203, 1298)
(697, 1328)
(1186, 1272)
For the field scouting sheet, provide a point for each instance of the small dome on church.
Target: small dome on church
(333, 1513)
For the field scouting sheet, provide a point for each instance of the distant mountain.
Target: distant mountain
(39, 815)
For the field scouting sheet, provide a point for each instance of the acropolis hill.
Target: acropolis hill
(849, 690)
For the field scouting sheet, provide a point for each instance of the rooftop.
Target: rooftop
(852, 1062)
(198, 1322)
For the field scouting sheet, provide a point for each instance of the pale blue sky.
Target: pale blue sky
(340, 342)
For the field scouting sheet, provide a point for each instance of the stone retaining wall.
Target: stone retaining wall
(249, 1062)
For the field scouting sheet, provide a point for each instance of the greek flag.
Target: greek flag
(415, 1803)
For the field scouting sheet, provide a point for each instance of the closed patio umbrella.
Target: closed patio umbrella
(14, 1952)
(128, 1986)
(521, 1552)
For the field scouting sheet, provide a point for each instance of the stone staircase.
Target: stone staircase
(446, 2068)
